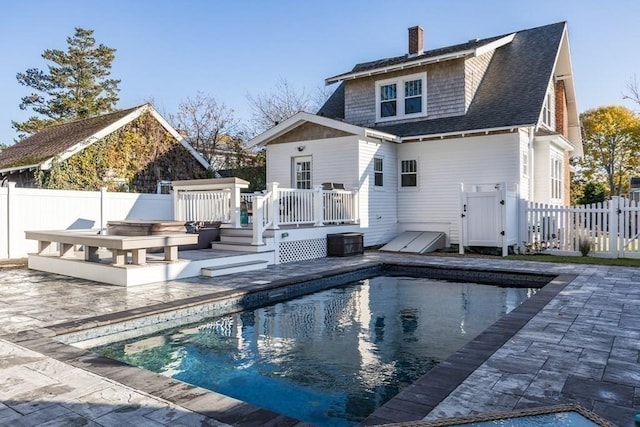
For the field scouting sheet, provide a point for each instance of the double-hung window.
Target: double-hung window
(408, 173)
(546, 111)
(401, 97)
(378, 172)
(556, 178)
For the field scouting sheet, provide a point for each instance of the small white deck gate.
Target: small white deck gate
(489, 216)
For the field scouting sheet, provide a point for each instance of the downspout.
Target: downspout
(531, 154)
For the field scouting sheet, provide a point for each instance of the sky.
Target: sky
(168, 51)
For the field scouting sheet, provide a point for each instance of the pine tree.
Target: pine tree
(77, 84)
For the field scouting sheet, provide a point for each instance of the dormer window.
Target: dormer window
(402, 97)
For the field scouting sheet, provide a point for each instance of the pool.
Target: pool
(331, 357)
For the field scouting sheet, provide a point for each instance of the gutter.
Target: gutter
(19, 169)
(462, 133)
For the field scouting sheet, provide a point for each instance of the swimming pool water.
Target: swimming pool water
(328, 358)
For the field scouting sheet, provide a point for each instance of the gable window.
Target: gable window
(401, 97)
(409, 173)
(546, 111)
(377, 171)
(556, 178)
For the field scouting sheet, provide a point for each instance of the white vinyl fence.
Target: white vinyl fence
(612, 228)
(24, 209)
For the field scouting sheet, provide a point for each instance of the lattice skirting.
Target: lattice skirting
(300, 250)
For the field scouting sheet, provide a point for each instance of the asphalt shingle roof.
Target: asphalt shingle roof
(55, 139)
(388, 62)
(511, 93)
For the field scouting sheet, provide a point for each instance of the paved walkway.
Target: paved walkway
(583, 347)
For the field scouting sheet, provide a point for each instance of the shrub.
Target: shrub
(585, 243)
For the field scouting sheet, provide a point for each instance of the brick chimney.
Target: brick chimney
(416, 40)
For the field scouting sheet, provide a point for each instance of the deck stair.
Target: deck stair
(228, 262)
(240, 239)
(238, 267)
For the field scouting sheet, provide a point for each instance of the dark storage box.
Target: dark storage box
(344, 244)
(208, 232)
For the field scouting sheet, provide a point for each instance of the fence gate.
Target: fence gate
(488, 216)
(482, 219)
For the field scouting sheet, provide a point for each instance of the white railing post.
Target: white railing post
(613, 225)
(258, 224)
(176, 208)
(356, 206)
(235, 207)
(12, 213)
(318, 206)
(523, 223)
(103, 209)
(274, 202)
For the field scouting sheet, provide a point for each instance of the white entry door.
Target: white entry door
(301, 172)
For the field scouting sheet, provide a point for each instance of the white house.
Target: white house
(406, 132)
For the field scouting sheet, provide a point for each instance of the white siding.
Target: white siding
(378, 210)
(333, 160)
(544, 151)
(442, 166)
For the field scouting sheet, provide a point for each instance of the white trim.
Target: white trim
(494, 44)
(556, 158)
(462, 133)
(404, 65)
(557, 139)
(400, 97)
(18, 169)
(304, 117)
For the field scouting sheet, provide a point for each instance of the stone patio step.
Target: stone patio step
(238, 267)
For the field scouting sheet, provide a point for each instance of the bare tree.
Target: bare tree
(269, 109)
(208, 125)
(633, 90)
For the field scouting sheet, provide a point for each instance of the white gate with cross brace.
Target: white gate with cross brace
(488, 216)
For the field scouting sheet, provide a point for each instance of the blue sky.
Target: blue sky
(170, 50)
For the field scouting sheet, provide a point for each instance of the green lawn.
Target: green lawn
(625, 262)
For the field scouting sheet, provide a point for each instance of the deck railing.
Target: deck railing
(268, 209)
(210, 205)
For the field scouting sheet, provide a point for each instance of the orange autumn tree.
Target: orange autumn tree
(611, 142)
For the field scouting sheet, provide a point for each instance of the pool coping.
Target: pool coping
(412, 403)
(417, 400)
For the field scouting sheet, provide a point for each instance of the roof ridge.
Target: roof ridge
(471, 42)
(78, 119)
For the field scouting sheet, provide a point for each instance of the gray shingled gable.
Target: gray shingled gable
(511, 93)
(56, 139)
